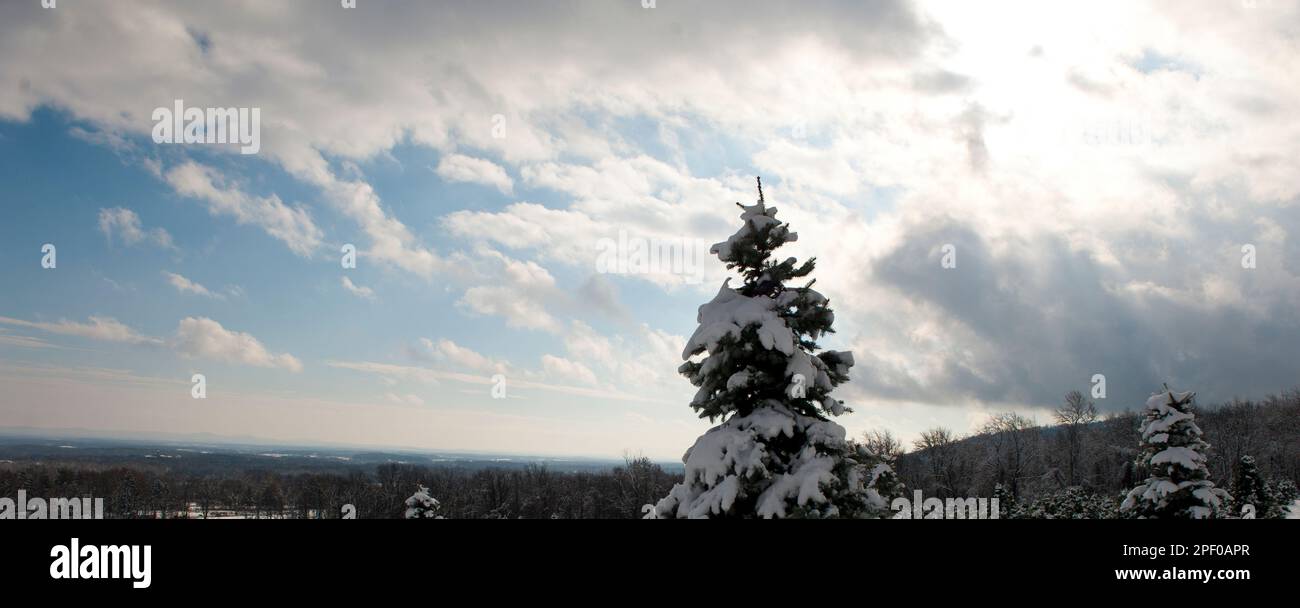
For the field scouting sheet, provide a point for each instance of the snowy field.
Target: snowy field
(1295, 511)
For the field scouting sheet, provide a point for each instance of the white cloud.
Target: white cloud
(391, 242)
(504, 302)
(828, 169)
(291, 225)
(447, 351)
(637, 198)
(394, 373)
(562, 368)
(461, 168)
(124, 225)
(518, 291)
(520, 381)
(10, 339)
(185, 285)
(567, 236)
(205, 338)
(407, 399)
(643, 360)
(356, 290)
(98, 328)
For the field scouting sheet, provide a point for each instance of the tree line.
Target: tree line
(534, 491)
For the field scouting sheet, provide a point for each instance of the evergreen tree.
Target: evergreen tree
(422, 506)
(158, 497)
(1248, 488)
(1284, 495)
(1006, 502)
(775, 453)
(126, 497)
(1173, 453)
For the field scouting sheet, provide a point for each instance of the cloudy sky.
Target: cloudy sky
(1096, 168)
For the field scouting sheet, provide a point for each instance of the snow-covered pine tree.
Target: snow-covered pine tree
(1248, 488)
(1006, 502)
(1286, 500)
(775, 453)
(1173, 453)
(422, 506)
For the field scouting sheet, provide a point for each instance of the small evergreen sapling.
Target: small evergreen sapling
(422, 506)
(1248, 488)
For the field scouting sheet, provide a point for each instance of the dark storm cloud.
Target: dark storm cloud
(1045, 318)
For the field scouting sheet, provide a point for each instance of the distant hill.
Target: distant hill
(205, 453)
(1268, 430)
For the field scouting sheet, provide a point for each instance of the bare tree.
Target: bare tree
(1075, 415)
(1013, 438)
(884, 444)
(948, 470)
(1235, 434)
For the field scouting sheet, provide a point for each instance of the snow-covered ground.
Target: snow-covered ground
(1295, 511)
